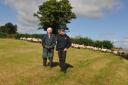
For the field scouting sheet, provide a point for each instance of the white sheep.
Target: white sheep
(34, 40)
(115, 52)
(21, 38)
(29, 39)
(103, 50)
(24, 38)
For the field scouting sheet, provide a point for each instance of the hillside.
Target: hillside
(21, 64)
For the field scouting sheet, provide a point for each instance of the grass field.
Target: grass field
(21, 64)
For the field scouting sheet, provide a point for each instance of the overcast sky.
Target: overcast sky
(97, 19)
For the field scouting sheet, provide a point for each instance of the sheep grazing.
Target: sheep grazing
(109, 51)
(72, 45)
(24, 38)
(75, 46)
(21, 38)
(115, 52)
(34, 40)
(104, 50)
(89, 47)
(95, 48)
(29, 39)
(81, 46)
(39, 40)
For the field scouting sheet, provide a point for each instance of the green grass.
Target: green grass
(21, 64)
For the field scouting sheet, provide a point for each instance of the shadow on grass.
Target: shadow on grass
(68, 66)
(55, 64)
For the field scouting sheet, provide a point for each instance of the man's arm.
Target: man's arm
(68, 43)
(43, 42)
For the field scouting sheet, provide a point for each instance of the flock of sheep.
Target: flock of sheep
(94, 48)
(37, 40)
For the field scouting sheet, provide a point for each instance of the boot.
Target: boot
(63, 70)
(44, 62)
(50, 62)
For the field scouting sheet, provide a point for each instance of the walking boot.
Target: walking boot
(44, 62)
(50, 62)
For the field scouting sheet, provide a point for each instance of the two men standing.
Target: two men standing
(62, 42)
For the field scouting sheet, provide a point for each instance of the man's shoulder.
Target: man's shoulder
(67, 36)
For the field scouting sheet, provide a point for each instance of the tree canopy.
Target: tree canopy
(55, 14)
(8, 28)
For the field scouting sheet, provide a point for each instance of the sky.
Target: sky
(96, 19)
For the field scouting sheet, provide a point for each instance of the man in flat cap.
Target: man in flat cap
(63, 43)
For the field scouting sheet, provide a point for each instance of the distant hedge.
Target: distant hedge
(77, 40)
(96, 43)
(83, 41)
(3, 35)
(8, 28)
(18, 36)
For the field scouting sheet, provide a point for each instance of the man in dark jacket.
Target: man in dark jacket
(48, 43)
(63, 43)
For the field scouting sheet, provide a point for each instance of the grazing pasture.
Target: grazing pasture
(21, 64)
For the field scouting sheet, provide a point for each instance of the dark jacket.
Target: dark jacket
(47, 42)
(63, 41)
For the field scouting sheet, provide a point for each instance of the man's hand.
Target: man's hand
(46, 46)
(65, 49)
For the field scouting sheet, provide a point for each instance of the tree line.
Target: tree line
(8, 30)
(96, 43)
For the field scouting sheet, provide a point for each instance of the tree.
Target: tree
(55, 14)
(3, 29)
(98, 44)
(107, 44)
(103, 44)
(8, 28)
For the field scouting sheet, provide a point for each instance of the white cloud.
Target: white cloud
(86, 8)
(94, 8)
(124, 42)
(25, 8)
